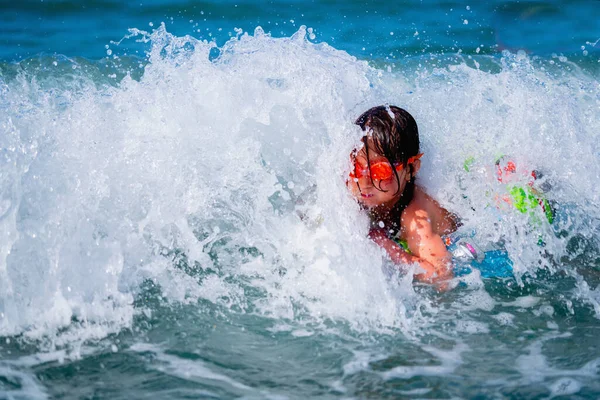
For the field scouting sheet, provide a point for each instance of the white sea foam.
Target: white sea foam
(193, 178)
(504, 318)
(449, 360)
(19, 384)
(535, 367)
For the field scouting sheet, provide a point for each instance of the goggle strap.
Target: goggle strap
(409, 161)
(414, 158)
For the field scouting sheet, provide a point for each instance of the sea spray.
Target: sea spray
(183, 179)
(193, 182)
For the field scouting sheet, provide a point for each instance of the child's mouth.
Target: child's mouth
(366, 195)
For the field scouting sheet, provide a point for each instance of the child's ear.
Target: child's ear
(413, 169)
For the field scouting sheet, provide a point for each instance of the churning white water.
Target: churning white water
(219, 176)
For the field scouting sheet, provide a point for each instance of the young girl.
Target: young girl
(383, 182)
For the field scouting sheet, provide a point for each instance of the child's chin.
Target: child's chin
(368, 202)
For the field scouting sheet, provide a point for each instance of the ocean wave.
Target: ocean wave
(187, 177)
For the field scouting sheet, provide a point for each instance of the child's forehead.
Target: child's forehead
(361, 150)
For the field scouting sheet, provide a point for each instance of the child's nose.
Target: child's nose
(365, 182)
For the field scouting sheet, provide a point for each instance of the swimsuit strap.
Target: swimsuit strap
(404, 244)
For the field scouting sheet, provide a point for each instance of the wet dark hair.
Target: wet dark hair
(395, 136)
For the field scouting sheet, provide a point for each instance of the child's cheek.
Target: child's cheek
(352, 187)
(389, 184)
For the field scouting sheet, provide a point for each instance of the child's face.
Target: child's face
(375, 192)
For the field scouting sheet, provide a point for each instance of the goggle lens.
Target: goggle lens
(380, 171)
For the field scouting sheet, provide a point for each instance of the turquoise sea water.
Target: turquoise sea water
(156, 157)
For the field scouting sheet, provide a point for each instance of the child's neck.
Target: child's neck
(390, 213)
(385, 212)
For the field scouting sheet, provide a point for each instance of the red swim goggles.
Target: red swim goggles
(380, 170)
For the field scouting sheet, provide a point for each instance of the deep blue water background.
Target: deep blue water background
(367, 29)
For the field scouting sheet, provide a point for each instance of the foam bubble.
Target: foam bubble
(565, 387)
(504, 318)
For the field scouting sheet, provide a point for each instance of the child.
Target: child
(383, 182)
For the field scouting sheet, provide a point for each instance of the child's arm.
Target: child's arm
(426, 245)
(393, 249)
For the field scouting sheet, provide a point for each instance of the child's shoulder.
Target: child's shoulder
(421, 203)
(425, 210)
